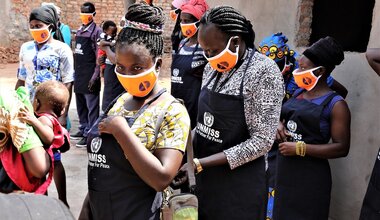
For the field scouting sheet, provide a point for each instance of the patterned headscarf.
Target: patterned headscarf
(275, 47)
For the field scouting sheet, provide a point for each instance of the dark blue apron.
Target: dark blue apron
(371, 203)
(115, 189)
(303, 184)
(84, 64)
(224, 193)
(184, 84)
(112, 86)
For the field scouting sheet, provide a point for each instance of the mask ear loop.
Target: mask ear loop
(237, 46)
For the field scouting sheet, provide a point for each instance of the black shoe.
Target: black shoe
(76, 136)
(82, 143)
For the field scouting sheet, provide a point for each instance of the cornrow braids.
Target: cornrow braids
(230, 21)
(146, 14)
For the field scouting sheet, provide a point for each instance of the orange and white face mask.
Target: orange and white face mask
(86, 18)
(40, 35)
(225, 60)
(188, 30)
(139, 85)
(174, 14)
(306, 79)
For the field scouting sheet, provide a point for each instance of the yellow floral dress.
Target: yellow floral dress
(173, 131)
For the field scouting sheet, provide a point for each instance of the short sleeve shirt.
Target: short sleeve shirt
(54, 61)
(173, 131)
(9, 101)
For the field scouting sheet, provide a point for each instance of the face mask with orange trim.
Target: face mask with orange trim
(139, 85)
(188, 30)
(174, 14)
(306, 79)
(225, 60)
(86, 18)
(40, 35)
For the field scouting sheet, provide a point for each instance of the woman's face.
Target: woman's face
(36, 24)
(133, 59)
(213, 41)
(187, 18)
(305, 64)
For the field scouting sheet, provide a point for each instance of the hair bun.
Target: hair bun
(147, 14)
(325, 52)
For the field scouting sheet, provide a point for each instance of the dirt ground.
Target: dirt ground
(75, 160)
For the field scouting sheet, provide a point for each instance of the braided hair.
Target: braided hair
(146, 14)
(230, 21)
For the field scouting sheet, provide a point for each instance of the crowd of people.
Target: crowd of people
(263, 120)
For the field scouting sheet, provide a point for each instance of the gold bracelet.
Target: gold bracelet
(197, 165)
(298, 152)
(301, 148)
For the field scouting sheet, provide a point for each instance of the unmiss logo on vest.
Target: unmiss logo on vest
(78, 49)
(96, 143)
(175, 72)
(208, 119)
(292, 126)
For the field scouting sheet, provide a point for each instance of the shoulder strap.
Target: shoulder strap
(328, 99)
(190, 164)
(189, 145)
(161, 117)
(113, 103)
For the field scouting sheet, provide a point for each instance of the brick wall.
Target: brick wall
(15, 27)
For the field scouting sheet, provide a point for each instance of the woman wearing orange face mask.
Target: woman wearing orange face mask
(188, 61)
(314, 115)
(174, 15)
(133, 157)
(238, 111)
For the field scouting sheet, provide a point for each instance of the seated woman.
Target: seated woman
(314, 115)
(131, 156)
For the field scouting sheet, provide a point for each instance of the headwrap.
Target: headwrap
(48, 15)
(195, 7)
(275, 47)
(57, 9)
(179, 3)
(325, 52)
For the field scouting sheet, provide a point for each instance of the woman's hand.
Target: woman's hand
(281, 134)
(287, 148)
(109, 124)
(181, 176)
(27, 117)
